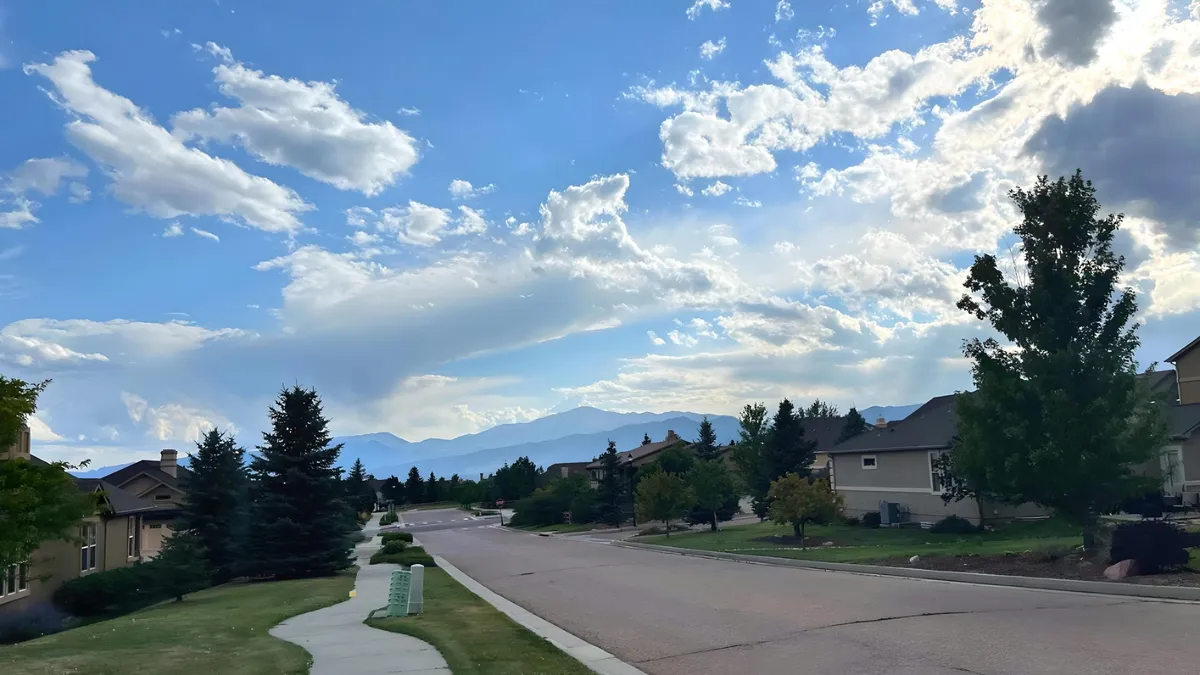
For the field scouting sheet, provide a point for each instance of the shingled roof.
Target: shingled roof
(930, 427)
(630, 456)
(1183, 420)
(151, 468)
(120, 501)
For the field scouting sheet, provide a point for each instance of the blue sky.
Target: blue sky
(450, 215)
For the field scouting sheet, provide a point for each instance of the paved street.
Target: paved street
(424, 521)
(672, 615)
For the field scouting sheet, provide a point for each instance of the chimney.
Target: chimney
(564, 470)
(168, 462)
(20, 449)
(671, 437)
(880, 423)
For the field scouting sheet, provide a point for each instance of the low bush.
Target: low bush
(364, 518)
(871, 519)
(1156, 545)
(389, 518)
(412, 555)
(33, 620)
(852, 521)
(953, 525)
(405, 537)
(393, 546)
(113, 592)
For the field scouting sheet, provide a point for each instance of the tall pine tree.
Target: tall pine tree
(706, 445)
(301, 524)
(432, 490)
(214, 506)
(610, 495)
(785, 450)
(414, 487)
(358, 491)
(855, 425)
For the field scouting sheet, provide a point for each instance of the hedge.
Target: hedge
(405, 537)
(412, 555)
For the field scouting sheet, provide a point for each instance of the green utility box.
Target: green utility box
(406, 594)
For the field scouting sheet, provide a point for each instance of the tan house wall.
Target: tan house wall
(1187, 373)
(147, 487)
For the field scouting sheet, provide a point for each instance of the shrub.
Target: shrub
(389, 518)
(870, 519)
(852, 521)
(405, 537)
(412, 555)
(659, 529)
(32, 621)
(953, 525)
(113, 592)
(1156, 545)
(393, 546)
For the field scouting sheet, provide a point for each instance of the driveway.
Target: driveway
(674, 615)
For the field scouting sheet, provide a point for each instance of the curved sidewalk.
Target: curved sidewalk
(339, 641)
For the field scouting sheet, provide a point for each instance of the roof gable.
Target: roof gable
(1182, 352)
(930, 427)
(150, 468)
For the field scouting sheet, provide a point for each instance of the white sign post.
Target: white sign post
(416, 589)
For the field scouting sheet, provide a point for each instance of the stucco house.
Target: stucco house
(631, 460)
(160, 482)
(106, 540)
(1183, 426)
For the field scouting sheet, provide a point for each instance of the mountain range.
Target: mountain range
(575, 435)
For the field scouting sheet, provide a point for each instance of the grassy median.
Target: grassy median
(221, 630)
(476, 638)
(863, 544)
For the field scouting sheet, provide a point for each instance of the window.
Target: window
(869, 462)
(131, 537)
(10, 580)
(87, 550)
(162, 498)
(22, 576)
(156, 526)
(935, 485)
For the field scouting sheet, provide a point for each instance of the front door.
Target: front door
(1171, 461)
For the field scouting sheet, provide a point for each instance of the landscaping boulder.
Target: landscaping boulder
(1121, 570)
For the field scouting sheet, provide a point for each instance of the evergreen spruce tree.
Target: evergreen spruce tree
(646, 439)
(706, 444)
(359, 492)
(432, 493)
(414, 487)
(855, 425)
(214, 506)
(300, 524)
(786, 451)
(610, 497)
(180, 567)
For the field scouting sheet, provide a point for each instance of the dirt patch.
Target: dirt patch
(792, 541)
(1072, 566)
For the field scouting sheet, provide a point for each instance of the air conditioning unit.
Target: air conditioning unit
(1191, 498)
(890, 513)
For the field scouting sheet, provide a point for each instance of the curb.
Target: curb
(1037, 583)
(596, 659)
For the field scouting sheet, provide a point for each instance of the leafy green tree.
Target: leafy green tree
(796, 500)
(706, 445)
(855, 425)
(955, 488)
(646, 439)
(414, 487)
(214, 506)
(301, 525)
(452, 486)
(393, 490)
(1059, 418)
(748, 454)
(818, 409)
(664, 497)
(432, 489)
(517, 480)
(38, 502)
(179, 569)
(610, 493)
(713, 488)
(785, 450)
(467, 493)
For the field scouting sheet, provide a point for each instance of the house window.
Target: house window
(22, 576)
(131, 537)
(162, 498)
(935, 485)
(869, 462)
(10, 580)
(87, 550)
(156, 526)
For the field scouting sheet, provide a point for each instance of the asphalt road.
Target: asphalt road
(675, 615)
(417, 521)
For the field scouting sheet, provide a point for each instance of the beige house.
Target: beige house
(1183, 426)
(109, 539)
(160, 482)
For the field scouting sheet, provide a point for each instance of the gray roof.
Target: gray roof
(641, 451)
(1162, 385)
(1187, 348)
(1183, 420)
(150, 467)
(119, 500)
(824, 430)
(930, 427)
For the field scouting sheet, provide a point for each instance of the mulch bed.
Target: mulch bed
(1072, 566)
(810, 541)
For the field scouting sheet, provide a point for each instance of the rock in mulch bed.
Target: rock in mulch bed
(810, 541)
(1069, 566)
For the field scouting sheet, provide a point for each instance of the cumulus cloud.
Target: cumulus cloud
(173, 421)
(783, 11)
(52, 342)
(205, 234)
(43, 175)
(461, 189)
(710, 49)
(304, 125)
(150, 169)
(699, 5)
(409, 112)
(173, 230)
(715, 190)
(654, 339)
(1074, 27)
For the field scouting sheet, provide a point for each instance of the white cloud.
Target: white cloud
(173, 230)
(461, 189)
(150, 169)
(783, 11)
(20, 215)
(710, 49)
(173, 421)
(419, 224)
(409, 112)
(79, 193)
(682, 339)
(51, 342)
(304, 125)
(654, 339)
(43, 175)
(205, 234)
(699, 5)
(470, 221)
(748, 203)
(715, 190)
(684, 190)
(40, 431)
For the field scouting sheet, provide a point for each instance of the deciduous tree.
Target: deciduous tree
(713, 488)
(1058, 417)
(797, 501)
(664, 497)
(748, 454)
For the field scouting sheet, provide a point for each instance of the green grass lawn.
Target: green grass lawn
(476, 638)
(861, 544)
(565, 529)
(221, 630)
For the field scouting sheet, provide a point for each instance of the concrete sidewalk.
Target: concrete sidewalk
(339, 641)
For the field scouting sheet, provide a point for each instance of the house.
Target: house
(161, 482)
(632, 460)
(1183, 425)
(893, 462)
(563, 470)
(106, 540)
(825, 431)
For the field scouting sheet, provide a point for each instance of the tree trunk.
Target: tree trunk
(714, 522)
(979, 503)
(667, 523)
(801, 536)
(797, 532)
